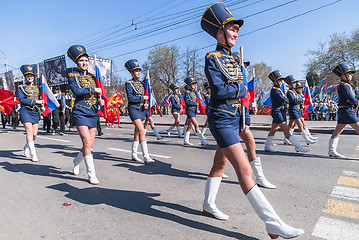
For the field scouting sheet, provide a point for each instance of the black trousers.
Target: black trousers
(58, 119)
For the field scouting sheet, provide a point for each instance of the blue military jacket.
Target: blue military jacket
(278, 98)
(346, 95)
(28, 94)
(190, 99)
(225, 79)
(83, 86)
(175, 101)
(294, 99)
(135, 91)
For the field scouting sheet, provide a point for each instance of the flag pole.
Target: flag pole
(243, 107)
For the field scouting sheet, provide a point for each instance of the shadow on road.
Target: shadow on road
(142, 203)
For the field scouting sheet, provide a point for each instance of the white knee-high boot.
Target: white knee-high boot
(210, 193)
(310, 135)
(146, 156)
(168, 131)
(286, 141)
(274, 225)
(297, 145)
(201, 138)
(33, 152)
(134, 156)
(91, 169)
(186, 139)
(268, 144)
(260, 179)
(26, 150)
(77, 160)
(159, 137)
(185, 129)
(332, 152)
(179, 132)
(307, 139)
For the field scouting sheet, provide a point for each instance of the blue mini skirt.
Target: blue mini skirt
(28, 115)
(279, 116)
(347, 116)
(294, 114)
(136, 113)
(85, 117)
(190, 112)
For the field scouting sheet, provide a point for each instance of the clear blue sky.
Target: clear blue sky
(32, 31)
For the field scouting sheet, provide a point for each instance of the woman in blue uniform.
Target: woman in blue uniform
(348, 105)
(295, 111)
(225, 79)
(137, 103)
(31, 105)
(278, 113)
(176, 109)
(190, 99)
(84, 112)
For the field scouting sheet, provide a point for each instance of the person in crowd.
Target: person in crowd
(348, 105)
(84, 112)
(31, 106)
(137, 103)
(207, 97)
(226, 83)
(58, 114)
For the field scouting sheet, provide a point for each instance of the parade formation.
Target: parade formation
(225, 103)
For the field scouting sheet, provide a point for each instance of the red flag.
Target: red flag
(99, 84)
(7, 101)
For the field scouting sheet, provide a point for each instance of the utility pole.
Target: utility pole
(6, 66)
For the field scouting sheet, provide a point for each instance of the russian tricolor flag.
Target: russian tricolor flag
(183, 103)
(245, 100)
(308, 106)
(50, 102)
(155, 104)
(251, 87)
(148, 91)
(201, 104)
(99, 84)
(267, 100)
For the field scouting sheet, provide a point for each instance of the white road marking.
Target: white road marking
(346, 193)
(128, 151)
(350, 173)
(332, 229)
(54, 139)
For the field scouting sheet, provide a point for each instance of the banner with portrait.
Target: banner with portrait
(55, 71)
(105, 66)
(9, 76)
(1, 83)
(41, 71)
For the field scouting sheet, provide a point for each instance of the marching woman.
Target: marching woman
(175, 110)
(190, 99)
(347, 104)
(299, 90)
(295, 111)
(84, 112)
(30, 109)
(225, 78)
(278, 113)
(137, 103)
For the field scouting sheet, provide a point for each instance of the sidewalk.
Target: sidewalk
(258, 122)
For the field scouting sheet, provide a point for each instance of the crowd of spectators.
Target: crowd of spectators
(323, 111)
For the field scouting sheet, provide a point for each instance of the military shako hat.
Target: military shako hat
(215, 17)
(173, 86)
(299, 85)
(290, 79)
(27, 69)
(342, 68)
(189, 80)
(76, 51)
(275, 75)
(206, 85)
(131, 65)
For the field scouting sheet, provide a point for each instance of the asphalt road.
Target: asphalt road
(164, 200)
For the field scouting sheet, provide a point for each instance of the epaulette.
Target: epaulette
(23, 85)
(92, 75)
(129, 81)
(72, 74)
(344, 83)
(211, 54)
